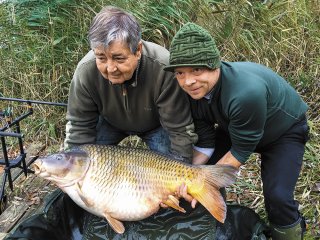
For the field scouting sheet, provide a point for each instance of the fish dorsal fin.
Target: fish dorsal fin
(174, 203)
(115, 224)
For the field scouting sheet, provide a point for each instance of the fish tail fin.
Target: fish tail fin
(215, 177)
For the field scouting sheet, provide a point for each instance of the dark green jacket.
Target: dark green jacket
(153, 98)
(252, 103)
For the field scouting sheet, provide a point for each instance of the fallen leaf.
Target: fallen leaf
(316, 187)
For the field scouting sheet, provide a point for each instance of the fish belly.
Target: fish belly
(73, 193)
(123, 201)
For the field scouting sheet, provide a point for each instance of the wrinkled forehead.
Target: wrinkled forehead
(115, 47)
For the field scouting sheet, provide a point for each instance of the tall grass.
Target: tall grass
(162, 19)
(41, 42)
(283, 35)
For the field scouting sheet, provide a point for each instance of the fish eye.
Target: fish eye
(59, 157)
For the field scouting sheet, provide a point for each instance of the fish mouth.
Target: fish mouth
(39, 170)
(37, 167)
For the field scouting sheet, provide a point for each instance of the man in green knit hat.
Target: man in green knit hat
(240, 108)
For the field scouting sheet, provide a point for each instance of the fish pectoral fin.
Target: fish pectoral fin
(116, 225)
(87, 202)
(174, 203)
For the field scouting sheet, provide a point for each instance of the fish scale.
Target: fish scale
(133, 173)
(118, 172)
(128, 184)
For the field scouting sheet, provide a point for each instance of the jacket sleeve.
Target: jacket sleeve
(175, 117)
(82, 113)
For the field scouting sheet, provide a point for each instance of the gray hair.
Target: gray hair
(111, 24)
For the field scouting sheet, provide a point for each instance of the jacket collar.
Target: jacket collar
(215, 92)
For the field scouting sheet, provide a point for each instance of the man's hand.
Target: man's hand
(229, 159)
(199, 158)
(182, 192)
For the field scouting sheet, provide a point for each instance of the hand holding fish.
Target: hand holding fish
(182, 192)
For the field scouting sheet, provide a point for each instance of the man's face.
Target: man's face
(196, 81)
(116, 62)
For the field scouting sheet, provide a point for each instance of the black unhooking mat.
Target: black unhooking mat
(59, 218)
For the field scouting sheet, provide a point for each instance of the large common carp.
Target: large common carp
(128, 184)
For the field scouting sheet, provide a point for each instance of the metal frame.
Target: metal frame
(19, 161)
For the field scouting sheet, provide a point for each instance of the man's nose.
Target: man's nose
(111, 66)
(189, 80)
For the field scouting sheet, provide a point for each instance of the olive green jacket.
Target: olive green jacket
(250, 102)
(152, 98)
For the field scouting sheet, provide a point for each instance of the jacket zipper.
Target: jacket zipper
(125, 95)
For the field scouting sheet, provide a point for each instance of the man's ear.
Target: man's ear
(139, 50)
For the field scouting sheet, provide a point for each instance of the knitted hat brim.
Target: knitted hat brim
(170, 68)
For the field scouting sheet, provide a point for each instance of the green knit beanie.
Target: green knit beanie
(193, 46)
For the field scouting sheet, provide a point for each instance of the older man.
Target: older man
(120, 88)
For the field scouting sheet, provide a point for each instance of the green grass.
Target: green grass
(42, 41)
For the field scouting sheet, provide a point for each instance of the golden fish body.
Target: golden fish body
(127, 184)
